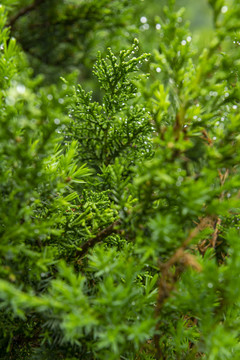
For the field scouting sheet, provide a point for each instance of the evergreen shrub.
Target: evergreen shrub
(119, 215)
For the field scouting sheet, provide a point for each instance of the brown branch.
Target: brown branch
(24, 11)
(215, 233)
(214, 221)
(206, 137)
(168, 280)
(223, 178)
(97, 239)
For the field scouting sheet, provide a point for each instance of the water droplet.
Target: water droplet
(21, 89)
(224, 9)
(213, 93)
(143, 19)
(145, 27)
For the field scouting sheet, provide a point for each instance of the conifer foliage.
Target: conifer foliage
(119, 215)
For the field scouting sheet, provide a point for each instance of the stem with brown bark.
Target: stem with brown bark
(97, 239)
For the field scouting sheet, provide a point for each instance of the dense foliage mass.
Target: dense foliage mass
(119, 215)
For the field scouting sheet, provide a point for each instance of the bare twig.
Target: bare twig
(24, 11)
(97, 239)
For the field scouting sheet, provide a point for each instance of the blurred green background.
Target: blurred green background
(198, 13)
(61, 36)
